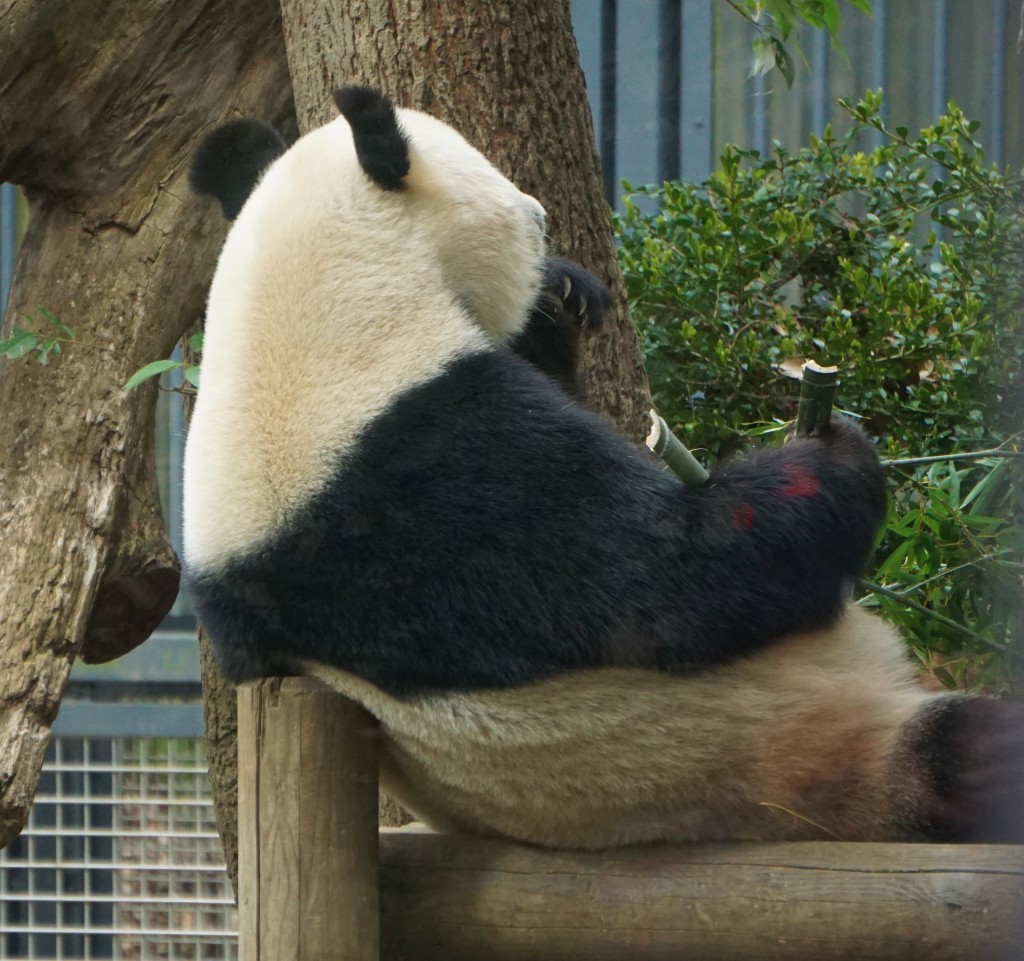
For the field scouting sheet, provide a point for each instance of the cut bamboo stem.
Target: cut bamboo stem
(674, 453)
(817, 391)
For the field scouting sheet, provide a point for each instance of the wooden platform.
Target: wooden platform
(317, 880)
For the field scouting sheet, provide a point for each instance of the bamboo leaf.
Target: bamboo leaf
(784, 62)
(830, 14)
(19, 344)
(153, 369)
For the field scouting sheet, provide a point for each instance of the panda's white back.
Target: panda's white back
(306, 335)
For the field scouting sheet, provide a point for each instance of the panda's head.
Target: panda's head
(401, 189)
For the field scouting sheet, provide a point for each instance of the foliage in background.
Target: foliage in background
(41, 337)
(189, 370)
(777, 21)
(902, 265)
(952, 570)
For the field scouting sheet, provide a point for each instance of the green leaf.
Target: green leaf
(987, 487)
(784, 62)
(192, 374)
(19, 344)
(153, 369)
(195, 342)
(830, 14)
(764, 56)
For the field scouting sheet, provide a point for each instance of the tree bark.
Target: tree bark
(117, 251)
(506, 75)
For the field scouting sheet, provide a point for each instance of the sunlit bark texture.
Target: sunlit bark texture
(100, 104)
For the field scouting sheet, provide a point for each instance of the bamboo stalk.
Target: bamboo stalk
(674, 453)
(817, 391)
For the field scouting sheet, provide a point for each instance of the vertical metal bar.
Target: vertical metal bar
(880, 65)
(997, 132)
(608, 86)
(940, 52)
(759, 116)
(759, 135)
(821, 107)
(586, 25)
(669, 87)
(697, 55)
(175, 473)
(8, 241)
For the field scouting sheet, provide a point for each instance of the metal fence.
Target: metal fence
(121, 857)
(669, 85)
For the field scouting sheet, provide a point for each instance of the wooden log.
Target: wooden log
(307, 824)
(446, 898)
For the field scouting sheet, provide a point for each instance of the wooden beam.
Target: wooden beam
(307, 824)
(446, 898)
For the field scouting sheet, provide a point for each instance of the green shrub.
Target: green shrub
(902, 265)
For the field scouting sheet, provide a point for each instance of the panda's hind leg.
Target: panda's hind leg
(965, 756)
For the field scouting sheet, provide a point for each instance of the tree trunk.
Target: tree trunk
(117, 251)
(506, 74)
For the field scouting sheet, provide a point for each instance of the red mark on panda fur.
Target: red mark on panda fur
(743, 516)
(802, 483)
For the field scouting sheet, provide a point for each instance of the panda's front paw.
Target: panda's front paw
(582, 296)
(570, 299)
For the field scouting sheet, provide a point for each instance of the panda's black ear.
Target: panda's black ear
(231, 159)
(381, 145)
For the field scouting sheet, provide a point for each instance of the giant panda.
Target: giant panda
(562, 644)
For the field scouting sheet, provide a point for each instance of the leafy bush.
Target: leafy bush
(902, 265)
(951, 566)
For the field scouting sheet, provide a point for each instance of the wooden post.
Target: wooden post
(307, 824)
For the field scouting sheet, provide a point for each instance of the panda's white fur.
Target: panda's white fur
(560, 643)
(250, 461)
(802, 742)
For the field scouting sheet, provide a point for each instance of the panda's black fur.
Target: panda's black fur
(571, 299)
(481, 545)
(424, 544)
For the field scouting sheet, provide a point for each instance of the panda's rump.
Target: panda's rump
(798, 742)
